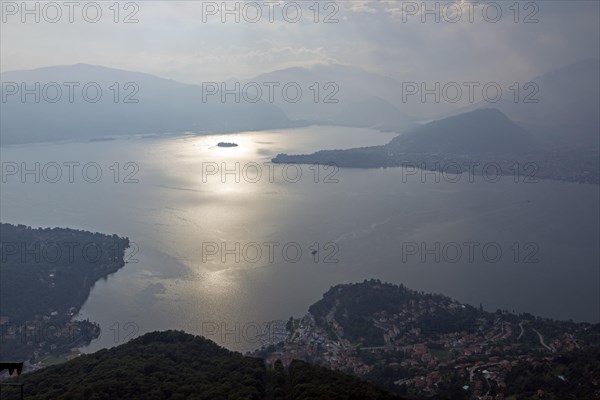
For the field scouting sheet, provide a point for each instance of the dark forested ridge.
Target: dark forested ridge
(46, 275)
(176, 365)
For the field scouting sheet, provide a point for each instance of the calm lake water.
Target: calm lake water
(185, 218)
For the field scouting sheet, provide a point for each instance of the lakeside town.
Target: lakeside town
(45, 278)
(420, 359)
(46, 339)
(568, 166)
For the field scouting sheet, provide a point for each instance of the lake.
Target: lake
(226, 242)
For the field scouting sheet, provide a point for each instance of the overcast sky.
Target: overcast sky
(187, 40)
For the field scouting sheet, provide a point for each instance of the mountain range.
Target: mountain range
(138, 104)
(563, 116)
(565, 111)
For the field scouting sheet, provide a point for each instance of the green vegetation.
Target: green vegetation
(357, 304)
(440, 354)
(176, 365)
(421, 346)
(559, 378)
(45, 277)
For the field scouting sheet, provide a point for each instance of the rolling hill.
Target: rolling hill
(423, 345)
(480, 131)
(176, 365)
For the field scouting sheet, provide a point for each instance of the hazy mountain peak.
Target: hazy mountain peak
(485, 130)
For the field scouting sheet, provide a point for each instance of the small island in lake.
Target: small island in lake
(227, 144)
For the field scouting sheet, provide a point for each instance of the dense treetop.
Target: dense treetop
(176, 365)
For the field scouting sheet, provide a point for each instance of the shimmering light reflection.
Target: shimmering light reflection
(171, 212)
(219, 283)
(215, 208)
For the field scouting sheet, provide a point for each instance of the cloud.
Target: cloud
(178, 40)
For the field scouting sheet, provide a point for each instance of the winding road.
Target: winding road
(552, 349)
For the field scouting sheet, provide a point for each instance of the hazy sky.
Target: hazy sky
(187, 41)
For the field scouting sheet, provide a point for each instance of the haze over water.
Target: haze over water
(370, 215)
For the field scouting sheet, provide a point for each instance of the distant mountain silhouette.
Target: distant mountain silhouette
(566, 111)
(176, 365)
(352, 85)
(374, 112)
(565, 115)
(163, 105)
(479, 131)
(479, 136)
